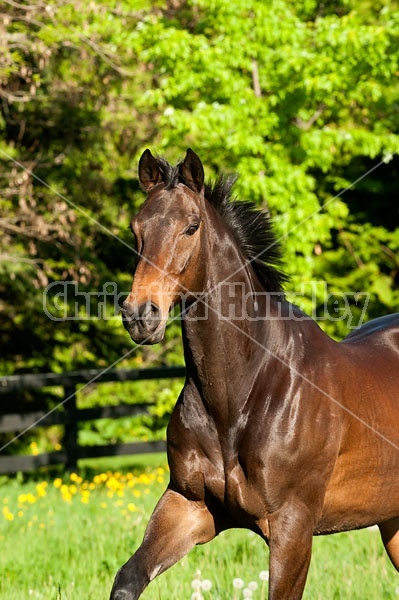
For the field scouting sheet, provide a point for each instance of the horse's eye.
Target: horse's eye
(191, 229)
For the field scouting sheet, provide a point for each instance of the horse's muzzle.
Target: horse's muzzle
(144, 322)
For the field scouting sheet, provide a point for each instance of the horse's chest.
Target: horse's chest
(239, 498)
(203, 464)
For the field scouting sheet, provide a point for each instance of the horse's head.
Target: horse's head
(168, 233)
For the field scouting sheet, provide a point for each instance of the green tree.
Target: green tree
(299, 99)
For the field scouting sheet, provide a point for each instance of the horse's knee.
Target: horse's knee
(390, 537)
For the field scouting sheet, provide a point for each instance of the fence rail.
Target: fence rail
(71, 415)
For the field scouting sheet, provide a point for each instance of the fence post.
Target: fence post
(71, 427)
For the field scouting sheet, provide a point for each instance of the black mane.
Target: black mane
(250, 226)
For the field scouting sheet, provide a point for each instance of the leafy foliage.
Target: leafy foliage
(299, 99)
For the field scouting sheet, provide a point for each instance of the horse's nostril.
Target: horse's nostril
(141, 321)
(129, 310)
(149, 313)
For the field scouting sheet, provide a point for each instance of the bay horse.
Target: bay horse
(279, 428)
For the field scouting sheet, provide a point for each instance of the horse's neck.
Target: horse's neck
(225, 341)
(233, 321)
(226, 335)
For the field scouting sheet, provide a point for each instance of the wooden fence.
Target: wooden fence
(70, 416)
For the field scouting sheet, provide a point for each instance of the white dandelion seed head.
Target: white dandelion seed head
(206, 585)
(264, 575)
(253, 586)
(196, 584)
(247, 593)
(238, 583)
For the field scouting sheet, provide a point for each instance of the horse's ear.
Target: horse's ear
(149, 173)
(192, 171)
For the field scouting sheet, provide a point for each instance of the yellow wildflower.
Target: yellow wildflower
(30, 498)
(75, 477)
(41, 489)
(7, 514)
(144, 478)
(66, 496)
(34, 448)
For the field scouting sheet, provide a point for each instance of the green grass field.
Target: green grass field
(64, 539)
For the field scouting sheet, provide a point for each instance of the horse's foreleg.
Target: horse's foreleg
(390, 537)
(290, 541)
(176, 525)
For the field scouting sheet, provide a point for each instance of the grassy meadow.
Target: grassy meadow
(64, 537)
